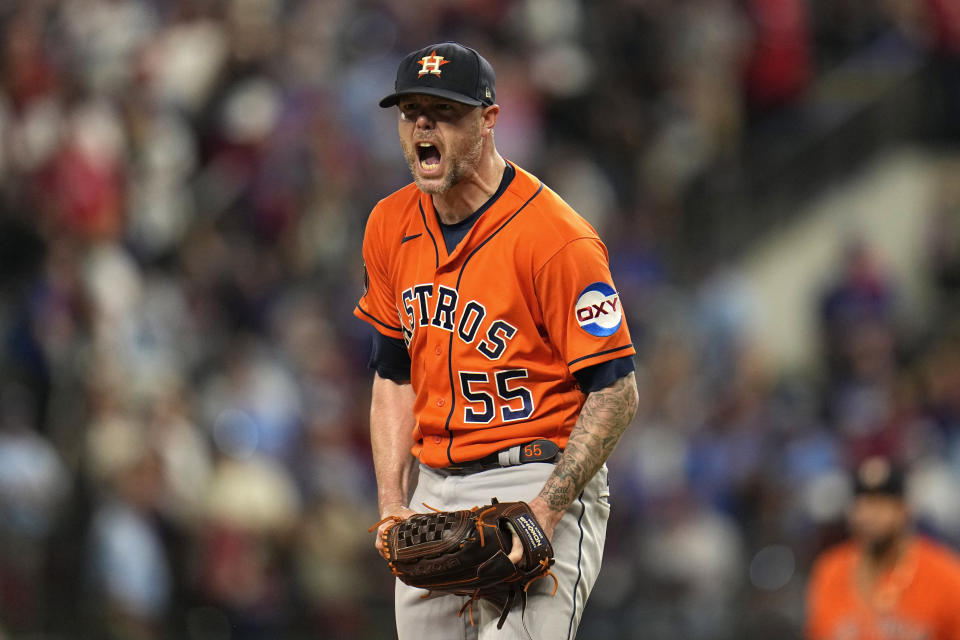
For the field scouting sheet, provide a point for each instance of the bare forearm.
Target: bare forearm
(603, 419)
(391, 436)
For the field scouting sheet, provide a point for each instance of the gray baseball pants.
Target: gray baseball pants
(577, 544)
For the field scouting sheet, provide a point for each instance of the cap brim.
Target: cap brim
(393, 98)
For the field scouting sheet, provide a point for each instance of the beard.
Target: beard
(878, 548)
(461, 160)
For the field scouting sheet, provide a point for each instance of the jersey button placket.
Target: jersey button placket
(441, 402)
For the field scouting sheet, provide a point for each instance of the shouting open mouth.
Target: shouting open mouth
(428, 155)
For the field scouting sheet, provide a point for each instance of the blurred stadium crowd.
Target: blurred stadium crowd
(183, 390)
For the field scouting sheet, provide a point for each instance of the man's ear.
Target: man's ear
(489, 117)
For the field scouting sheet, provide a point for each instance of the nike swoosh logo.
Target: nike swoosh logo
(405, 238)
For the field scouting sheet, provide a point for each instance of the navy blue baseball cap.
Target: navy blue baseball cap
(447, 70)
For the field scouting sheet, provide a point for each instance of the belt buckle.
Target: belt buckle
(465, 469)
(539, 451)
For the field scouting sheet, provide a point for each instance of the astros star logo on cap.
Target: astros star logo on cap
(431, 64)
(469, 81)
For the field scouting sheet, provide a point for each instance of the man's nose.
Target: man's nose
(424, 121)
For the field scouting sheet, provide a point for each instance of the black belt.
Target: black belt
(534, 451)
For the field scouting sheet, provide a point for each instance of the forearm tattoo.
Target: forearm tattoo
(603, 419)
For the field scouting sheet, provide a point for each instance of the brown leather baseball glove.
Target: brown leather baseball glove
(466, 553)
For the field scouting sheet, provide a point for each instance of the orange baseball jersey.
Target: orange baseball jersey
(919, 599)
(496, 328)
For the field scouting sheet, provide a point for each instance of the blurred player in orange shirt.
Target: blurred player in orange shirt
(886, 583)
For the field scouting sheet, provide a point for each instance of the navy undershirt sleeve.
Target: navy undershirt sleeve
(390, 358)
(602, 375)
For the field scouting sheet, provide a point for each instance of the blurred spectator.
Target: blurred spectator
(253, 404)
(694, 556)
(779, 66)
(129, 564)
(885, 582)
(934, 26)
(857, 312)
(251, 507)
(944, 237)
(33, 488)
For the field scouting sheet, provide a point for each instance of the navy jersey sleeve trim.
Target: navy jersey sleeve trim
(603, 374)
(390, 358)
(377, 320)
(598, 354)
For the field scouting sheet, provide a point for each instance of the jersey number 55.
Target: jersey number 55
(516, 401)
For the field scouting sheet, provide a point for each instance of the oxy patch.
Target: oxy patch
(598, 310)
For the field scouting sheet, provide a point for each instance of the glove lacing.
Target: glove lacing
(468, 605)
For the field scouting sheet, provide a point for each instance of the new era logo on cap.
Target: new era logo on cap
(448, 70)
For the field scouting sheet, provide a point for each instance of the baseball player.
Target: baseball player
(886, 583)
(503, 361)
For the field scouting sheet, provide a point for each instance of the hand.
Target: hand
(390, 515)
(516, 548)
(546, 517)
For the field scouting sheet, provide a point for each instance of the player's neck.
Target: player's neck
(472, 191)
(882, 559)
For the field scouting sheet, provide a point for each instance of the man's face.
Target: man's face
(441, 140)
(877, 521)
